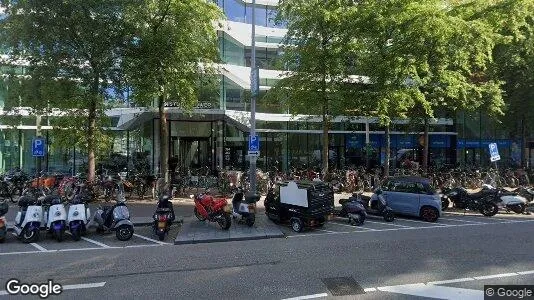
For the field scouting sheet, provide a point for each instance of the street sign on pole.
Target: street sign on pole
(253, 143)
(38, 147)
(494, 152)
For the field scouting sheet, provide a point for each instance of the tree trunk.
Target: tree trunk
(326, 142)
(163, 140)
(425, 148)
(388, 150)
(91, 130)
(524, 156)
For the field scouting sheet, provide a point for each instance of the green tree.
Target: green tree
(79, 40)
(513, 55)
(172, 44)
(317, 51)
(419, 63)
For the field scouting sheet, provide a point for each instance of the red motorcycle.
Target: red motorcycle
(213, 210)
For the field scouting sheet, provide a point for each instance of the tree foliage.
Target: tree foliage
(80, 40)
(172, 43)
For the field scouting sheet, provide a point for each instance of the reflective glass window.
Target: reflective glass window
(234, 10)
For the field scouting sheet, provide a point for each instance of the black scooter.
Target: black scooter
(163, 217)
(352, 209)
(244, 208)
(376, 205)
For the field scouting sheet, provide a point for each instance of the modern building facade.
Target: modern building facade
(214, 135)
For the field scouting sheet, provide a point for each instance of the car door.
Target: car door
(395, 196)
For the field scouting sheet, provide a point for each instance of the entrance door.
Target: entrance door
(192, 153)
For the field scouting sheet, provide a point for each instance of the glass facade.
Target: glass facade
(239, 11)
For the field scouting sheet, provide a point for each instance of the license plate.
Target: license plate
(162, 224)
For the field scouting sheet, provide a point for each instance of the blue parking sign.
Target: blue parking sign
(38, 147)
(253, 143)
(494, 152)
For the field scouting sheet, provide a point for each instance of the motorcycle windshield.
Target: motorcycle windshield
(121, 213)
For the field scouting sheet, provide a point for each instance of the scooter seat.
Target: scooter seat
(26, 201)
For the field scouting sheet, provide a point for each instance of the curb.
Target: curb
(208, 241)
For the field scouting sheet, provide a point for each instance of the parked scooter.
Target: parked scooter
(54, 216)
(4, 207)
(78, 216)
(28, 219)
(509, 201)
(352, 209)
(163, 217)
(114, 218)
(377, 205)
(213, 210)
(244, 208)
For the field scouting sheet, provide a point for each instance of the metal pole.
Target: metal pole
(254, 87)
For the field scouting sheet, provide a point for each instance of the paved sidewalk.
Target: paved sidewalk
(194, 231)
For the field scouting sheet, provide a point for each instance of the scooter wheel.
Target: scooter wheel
(198, 215)
(225, 222)
(30, 236)
(76, 234)
(489, 209)
(250, 221)
(124, 233)
(59, 235)
(161, 236)
(518, 209)
(389, 217)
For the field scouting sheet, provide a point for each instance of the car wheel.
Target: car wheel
(429, 214)
(297, 225)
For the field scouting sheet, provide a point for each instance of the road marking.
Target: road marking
(465, 221)
(415, 221)
(21, 252)
(496, 276)
(409, 228)
(95, 242)
(39, 247)
(149, 239)
(526, 272)
(322, 295)
(328, 231)
(434, 291)
(71, 287)
(142, 246)
(390, 224)
(86, 249)
(83, 286)
(451, 281)
(368, 290)
(351, 226)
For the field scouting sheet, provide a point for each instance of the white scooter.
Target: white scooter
(510, 201)
(244, 208)
(78, 217)
(114, 218)
(54, 216)
(28, 219)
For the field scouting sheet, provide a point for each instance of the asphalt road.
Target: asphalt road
(377, 256)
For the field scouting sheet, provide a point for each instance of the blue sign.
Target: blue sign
(38, 147)
(494, 152)
(253, 143)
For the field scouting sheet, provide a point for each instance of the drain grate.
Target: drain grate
(343, 286)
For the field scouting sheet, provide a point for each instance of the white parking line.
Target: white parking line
(352, 226)
(322, 295)
(149, 239)
(389, 223)
(422, 222)
(451, 281)
(39, 247)
(465, 221)
(496, 276)
(95, 242)
(327, 231)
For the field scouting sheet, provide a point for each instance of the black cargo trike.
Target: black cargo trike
(303, 204)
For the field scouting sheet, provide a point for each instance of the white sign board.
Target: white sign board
(494, 152)
(291, 194)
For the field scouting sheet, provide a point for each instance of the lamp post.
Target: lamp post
(254, 88)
